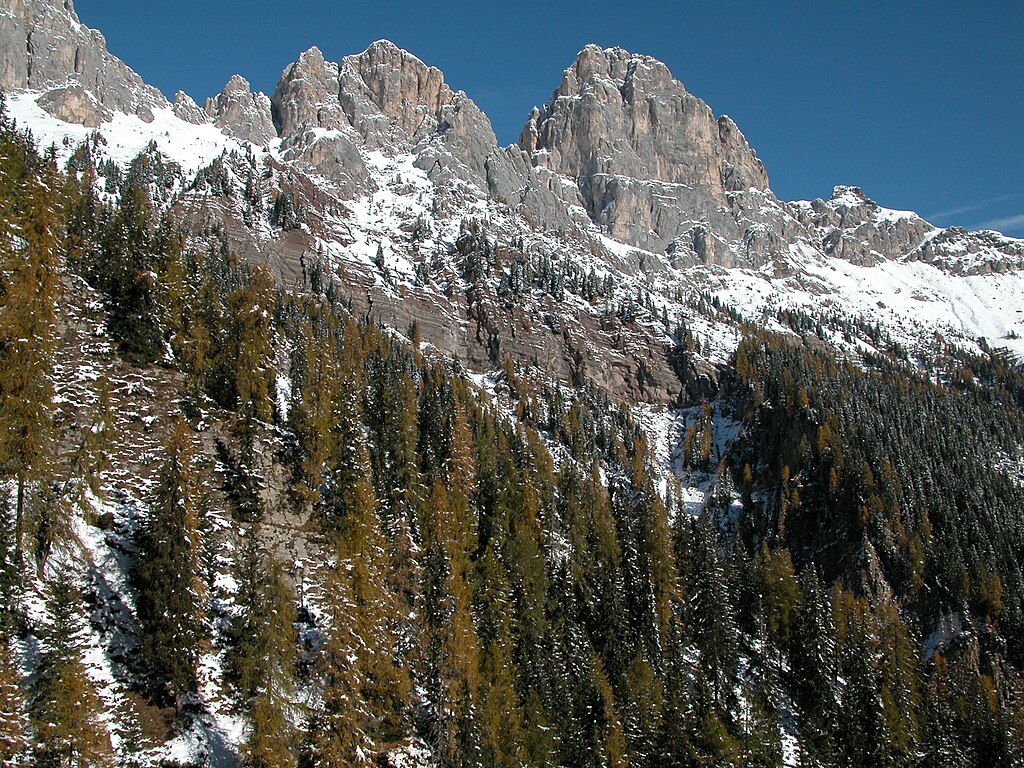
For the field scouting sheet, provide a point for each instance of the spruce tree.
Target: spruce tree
(711, 614)
(815, 674)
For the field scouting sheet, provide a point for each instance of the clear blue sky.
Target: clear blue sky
(920, 103)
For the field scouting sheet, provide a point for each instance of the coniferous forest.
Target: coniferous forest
(485, 581)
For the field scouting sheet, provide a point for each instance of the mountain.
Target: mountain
(332, 431)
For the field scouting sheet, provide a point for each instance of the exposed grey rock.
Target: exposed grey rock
(463, 133)
(307, 95)
(391, 96)
(74, 104)
(741, 167)
(333, 155)
(44, 46)
(650, 159)
(186, 109)
(395, 103)
(857, 229)
(241, 113)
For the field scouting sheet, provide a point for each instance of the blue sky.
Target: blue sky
(920, 103)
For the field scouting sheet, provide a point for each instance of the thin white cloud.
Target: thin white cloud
(972, 206)
(1004, 224)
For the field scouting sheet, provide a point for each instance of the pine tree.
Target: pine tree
(865, 737)
(167, 572)
(66, 709)
(780, 595)
(642, 711)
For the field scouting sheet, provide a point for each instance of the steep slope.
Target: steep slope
(44, 47)
(650, 159)
(537, 439)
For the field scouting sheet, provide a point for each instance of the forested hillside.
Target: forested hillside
(246, 525)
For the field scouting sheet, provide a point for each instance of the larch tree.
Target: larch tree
(30, 264)
(14, 722)
(168, 571)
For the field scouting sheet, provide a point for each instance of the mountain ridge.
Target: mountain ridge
(333, 432)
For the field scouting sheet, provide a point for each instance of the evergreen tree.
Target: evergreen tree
(127, 272)
(712, 619)
(249, 351)
(366, 682)
(14, 725)
(66, 709)
(314, 382)
(167, 573)
(31, 257)
(815, 675)
(261, 657)
(452, 649)
(864, 734)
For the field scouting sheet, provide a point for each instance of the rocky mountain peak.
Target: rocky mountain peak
(44, 46)
(185, 108)
(241, 113)
(389, 93)
(650, 158)
(384, 98)
(847, 196)
(623, 113)
(307, 94)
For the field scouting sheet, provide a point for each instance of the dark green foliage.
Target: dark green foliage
(167, 573)
(286, 213)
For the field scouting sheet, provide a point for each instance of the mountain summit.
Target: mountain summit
(334, 433)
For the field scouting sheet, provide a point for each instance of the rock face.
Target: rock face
(383, 99)
(853, 227)
(43, 46)
(307, 95)
(390, 96)
(241, 113)
(186, 109)
(651, 161)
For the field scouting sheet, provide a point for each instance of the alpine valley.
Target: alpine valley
(332, 433)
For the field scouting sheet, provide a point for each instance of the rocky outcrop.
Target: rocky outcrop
(44, 46)
(857, 229)
(851, 226)
(186, 109)
(333, 155)
(385, 99)
(74, 104)
(391, 96)
(241, 113)
(651, 160)
(307, 95)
